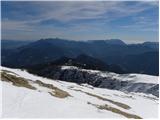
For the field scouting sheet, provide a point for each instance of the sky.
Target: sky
(130, 21)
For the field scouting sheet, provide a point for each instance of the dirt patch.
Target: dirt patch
(16, 81)
(22, 82)
(56, 91)
(115, 110)
(6, 71)
(122, 105)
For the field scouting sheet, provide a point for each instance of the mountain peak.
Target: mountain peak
(154, 45)
(115, 42)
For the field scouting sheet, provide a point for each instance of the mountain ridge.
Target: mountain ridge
(47, 50)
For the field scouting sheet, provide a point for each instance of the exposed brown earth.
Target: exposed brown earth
(122, 105)
(17, 81)
(115, 110)
(56, 91)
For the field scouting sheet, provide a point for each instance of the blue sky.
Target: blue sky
(134, 21)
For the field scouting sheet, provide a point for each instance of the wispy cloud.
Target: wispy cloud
(72, 16)
(34, 12)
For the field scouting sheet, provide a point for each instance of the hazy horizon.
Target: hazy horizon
(131, 22)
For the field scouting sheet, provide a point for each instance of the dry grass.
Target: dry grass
(17, 81)
(122, 105)
(22, 82)
(115, 110)
(6, 71)
(56, 91)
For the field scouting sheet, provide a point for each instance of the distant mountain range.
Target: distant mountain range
(12, 44)
(133, 58)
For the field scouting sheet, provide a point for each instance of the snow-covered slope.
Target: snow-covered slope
(123, 82)
(135, 78)
(29, 96)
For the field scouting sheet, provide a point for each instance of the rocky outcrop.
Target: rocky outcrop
(94, 78)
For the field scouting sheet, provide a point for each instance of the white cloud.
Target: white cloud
(70, 12)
